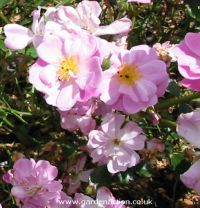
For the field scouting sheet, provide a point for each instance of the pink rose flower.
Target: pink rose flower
(116, 145)
(68, 70)
(188, 126)
(191, 177)
(188, 57)
(86, 17)
(18, 37)
(76, 175)
(80, 117)
(104, 199)
(34, 184)
(135, 80)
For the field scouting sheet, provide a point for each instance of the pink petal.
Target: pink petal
(34, 72)
(92, 7)
(48, 75)
(154, 71)
(51, 50)
(120, 26)
(143, 54)
(134, 160)
(137, 143)
(81, 42)
(46, 170)
(129, 131)
(86, 124)
(68, 96)
(24, 167)
(192, 84)
(129, 91)
(17, 36)
(18, 192)
(110, 92)
(188, 127)
(145, 89)
(131, 107)
(191, 177)
(96, 139)
(67, 14)
(104, 194)
(192, 41)
(111, 124)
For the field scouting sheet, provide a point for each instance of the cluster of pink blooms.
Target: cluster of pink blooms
(69, 72)
(34, 186)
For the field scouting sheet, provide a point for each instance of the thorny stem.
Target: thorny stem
(175, 101)
(168, 123)
(3, 17)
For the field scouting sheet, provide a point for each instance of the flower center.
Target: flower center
(129, 74)
(33, 190)
(116, 142)
(68, 67)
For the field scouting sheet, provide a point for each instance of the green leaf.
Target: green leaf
(3, 3)
(2, 46)
(184, 108)
(31, 52)
(145, 171)
(174, 89)
(124, 178)
(176, 159)
(194, 9)
(101, 175)
(67, 2)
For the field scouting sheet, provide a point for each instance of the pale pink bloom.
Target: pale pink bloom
(188, 126)
(86, 16)
(135, 80)
(34, 184)
(188, 57)
(116, 145)
(18, 37)
(140, 1)
(191, 178)
(76, 175)
(104, 199)
(155, 145)
(0, 206)
(79, 117)
(68, 70)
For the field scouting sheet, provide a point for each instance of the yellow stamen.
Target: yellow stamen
(129, 74)
(67, 65)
